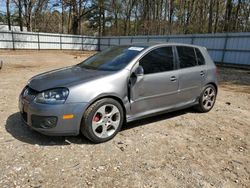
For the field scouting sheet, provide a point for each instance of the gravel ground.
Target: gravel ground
(180, 149)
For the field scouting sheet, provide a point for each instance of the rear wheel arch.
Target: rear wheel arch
(213, 84)
(207, 98)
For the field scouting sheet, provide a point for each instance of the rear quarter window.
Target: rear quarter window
(199, 56)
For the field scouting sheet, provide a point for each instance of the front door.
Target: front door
(157, 89)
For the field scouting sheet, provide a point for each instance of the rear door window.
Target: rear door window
(187, 57)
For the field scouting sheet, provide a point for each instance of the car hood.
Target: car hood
(65, 77)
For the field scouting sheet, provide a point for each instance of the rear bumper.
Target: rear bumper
(63, 127)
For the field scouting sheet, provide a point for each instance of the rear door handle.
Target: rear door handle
(173, 78)
(202, 73)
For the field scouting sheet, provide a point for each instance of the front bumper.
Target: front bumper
(63, 127)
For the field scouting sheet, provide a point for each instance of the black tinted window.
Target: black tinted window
(200, 58)
(187, 56)
(158, 60)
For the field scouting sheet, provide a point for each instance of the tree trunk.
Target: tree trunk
(236, 16)
(79, 18)
(210, 18)
(216, 16)
(20, 19)
(100, 19)
(103, 22)
(165, 18)
(69, 19)
(28, 13)
(75, 25)
(170, 15)
(228, 15)
(8, 13)
(62, 19)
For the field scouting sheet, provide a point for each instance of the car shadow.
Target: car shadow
(19, 130)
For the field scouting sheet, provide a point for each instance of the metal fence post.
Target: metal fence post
(119, 40)
(38, 41)
(167, 38)
(13, 40)
(60, 36)
(224, 48)
(131, 40)
(192, 39)
(98, 43)
(82, 43)
(109, 42)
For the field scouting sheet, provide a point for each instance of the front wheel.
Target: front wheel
(102, 120)
(207, 99)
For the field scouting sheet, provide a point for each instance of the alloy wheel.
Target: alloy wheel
(208, 98)
(106, 121)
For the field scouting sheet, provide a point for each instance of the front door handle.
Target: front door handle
(202, 73)
(173, 78)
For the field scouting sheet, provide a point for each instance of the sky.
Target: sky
(3, 6)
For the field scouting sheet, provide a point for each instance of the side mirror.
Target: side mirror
(139, 71)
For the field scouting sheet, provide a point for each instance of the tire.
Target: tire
(207, 99)
(102, 120)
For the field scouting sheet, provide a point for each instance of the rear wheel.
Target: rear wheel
(207, 99)
(102, 120)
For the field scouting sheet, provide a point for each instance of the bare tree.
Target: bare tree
(228, 14)
(210, 18)
(20, 19)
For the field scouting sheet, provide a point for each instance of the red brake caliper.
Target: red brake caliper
(97, 118)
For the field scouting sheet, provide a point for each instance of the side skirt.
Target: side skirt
(161, 111)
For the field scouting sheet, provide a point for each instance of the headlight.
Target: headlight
(54, 96)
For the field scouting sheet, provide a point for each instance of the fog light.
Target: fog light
(45, 122)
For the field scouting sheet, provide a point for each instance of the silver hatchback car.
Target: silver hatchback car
(120, 84)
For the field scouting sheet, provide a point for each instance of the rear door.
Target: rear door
(191, 75)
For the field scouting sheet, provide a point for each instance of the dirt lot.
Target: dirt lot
(180, 149)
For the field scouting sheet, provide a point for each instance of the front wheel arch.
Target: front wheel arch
(98, 99)
(110, 97)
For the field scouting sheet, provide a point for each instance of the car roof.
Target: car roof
(155, 44)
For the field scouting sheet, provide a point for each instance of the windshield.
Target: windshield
(112, 59)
